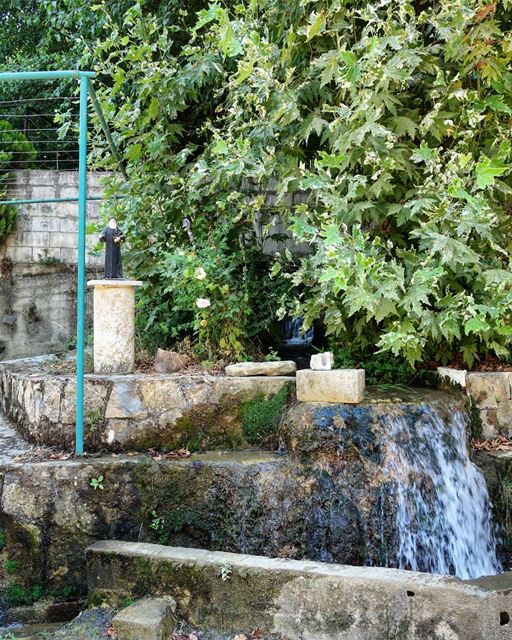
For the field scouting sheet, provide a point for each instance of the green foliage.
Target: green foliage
(97, 483)
(11, 566)
(18, 595)
(394, 118)
(382, 369)
(14, 149)
(93, 419)
(3, 540)
(260, 417)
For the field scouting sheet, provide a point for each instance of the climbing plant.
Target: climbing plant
(394, 116)
(15, 151)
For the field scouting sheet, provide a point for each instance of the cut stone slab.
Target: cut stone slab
(304, 599)
(170, 361)
(322, 361)
(338, 385)
(458, 376)
(147, 619)
(279, 368)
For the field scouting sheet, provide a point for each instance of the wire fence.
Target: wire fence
(38, 133)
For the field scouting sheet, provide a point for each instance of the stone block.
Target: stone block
(278, 368)
(458, 376)
(322, 361)
(68, 256)
(489, 388)
(20, 254)
(147, 619)
(43, 223)
(50, 408)
(338, 385)
(160, 394)
(489, 419)
(125, 402)
(504, 417)
(36, 239)
(170, 361)
(41, 254)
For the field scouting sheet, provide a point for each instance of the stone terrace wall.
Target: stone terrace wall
(136, 411)
(492, 392)
(38, 264)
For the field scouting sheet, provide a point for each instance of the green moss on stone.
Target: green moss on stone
(261, 417)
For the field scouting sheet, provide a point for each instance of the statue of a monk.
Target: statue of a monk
(112, 236)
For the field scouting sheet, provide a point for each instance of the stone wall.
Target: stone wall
(492, 392)
(135, 411)
(38, 264)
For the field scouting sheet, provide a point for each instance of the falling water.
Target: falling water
(443, 511)
(294, 335)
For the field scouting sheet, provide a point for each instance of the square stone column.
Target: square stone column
(114, 325)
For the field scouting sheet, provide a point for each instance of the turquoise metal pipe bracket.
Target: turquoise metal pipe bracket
(84, 77)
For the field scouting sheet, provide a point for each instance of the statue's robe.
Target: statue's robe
(113, 266)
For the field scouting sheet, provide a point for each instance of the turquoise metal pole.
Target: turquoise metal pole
(44, 75)
(80, 304)
(49, 201)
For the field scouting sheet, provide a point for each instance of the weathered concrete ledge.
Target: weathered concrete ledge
(307, 600)
(136, 411)
(492, 392)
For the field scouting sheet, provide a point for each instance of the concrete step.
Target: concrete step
(299, 599)
(146, 619)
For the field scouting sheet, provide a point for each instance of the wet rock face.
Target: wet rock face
(271, 505)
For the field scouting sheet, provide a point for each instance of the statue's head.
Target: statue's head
(112, 223)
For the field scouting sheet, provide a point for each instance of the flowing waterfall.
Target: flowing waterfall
(293, 332)
(443, 511)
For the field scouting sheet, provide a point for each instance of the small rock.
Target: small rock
(147, 619)
(170, 361)
(322, 361)
(279, 368)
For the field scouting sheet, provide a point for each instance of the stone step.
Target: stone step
(300, 599)
(146, 619)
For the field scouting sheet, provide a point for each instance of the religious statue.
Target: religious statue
(112, 236)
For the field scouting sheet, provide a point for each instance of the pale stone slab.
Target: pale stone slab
(279, 368)
(147, 619)
(114, 325)
(338, 385)
(322, 361)
(458, 376)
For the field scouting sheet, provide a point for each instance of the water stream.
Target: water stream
(444, 521)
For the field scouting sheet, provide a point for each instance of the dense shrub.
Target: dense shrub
(394, 115)
(15, 151)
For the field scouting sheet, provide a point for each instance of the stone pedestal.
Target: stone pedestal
(114, 325)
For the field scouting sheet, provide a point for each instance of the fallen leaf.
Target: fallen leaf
(257, 634)
(240, 637)
(60, 455)
(501, 443)
(168, 455)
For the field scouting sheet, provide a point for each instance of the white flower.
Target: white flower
(200, 273)
(202, 303)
